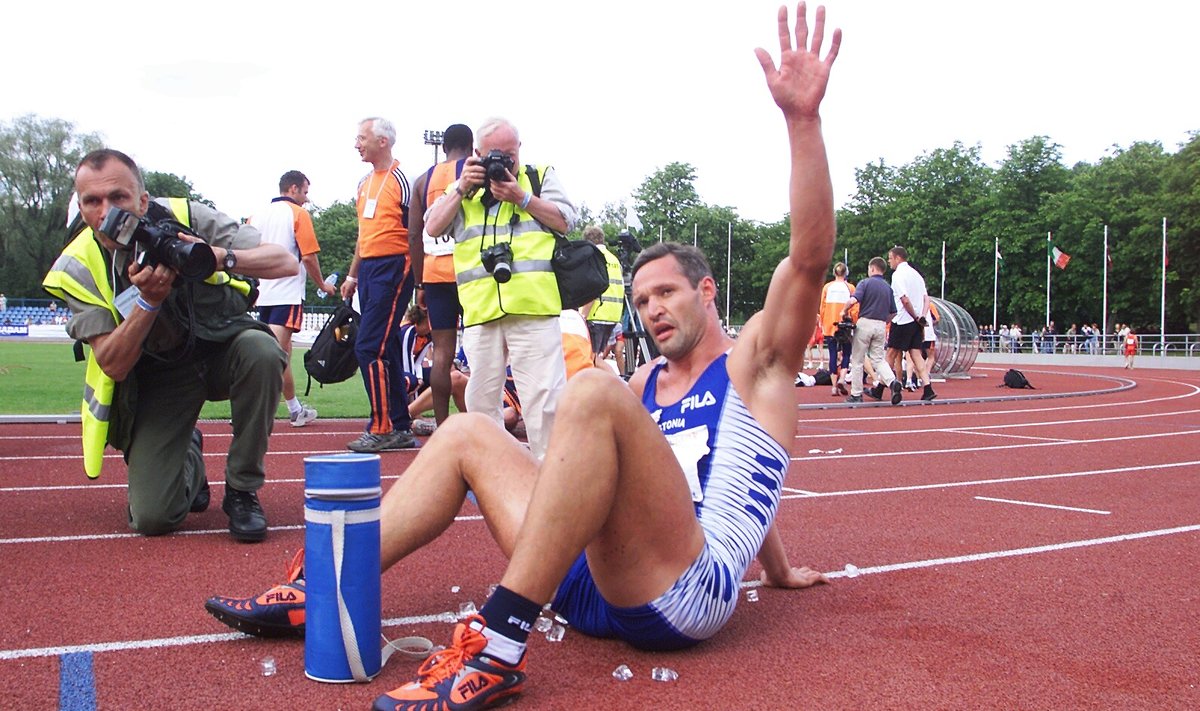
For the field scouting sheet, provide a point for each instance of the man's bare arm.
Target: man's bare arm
(777, 572)
(798, 86)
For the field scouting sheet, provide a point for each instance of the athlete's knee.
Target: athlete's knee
(461, 429)
(592, 392)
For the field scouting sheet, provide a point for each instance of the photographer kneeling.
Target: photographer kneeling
(166, 317)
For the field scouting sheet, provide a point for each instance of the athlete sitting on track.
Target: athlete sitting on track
(652, 500)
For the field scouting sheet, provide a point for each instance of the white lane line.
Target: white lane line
(204, 532)
(1050, 548)
(118, 455)
(123, 485)
(1005, 480)
(179, 641)
(1044, 506)
(923, 413)
(956, 450)
(1014, 436)
(978, 428)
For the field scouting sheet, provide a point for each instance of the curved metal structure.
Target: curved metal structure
(957, 340)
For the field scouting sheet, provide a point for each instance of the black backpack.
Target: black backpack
(331, 358)
(579, 266)
(1016, 379)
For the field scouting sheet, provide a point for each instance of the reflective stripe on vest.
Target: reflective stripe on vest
(611, 304)
(533, 289)
(80, 272)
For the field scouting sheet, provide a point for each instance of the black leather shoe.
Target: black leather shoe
(247, 522)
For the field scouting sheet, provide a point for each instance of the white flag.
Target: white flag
(631, 219)
(998, 255)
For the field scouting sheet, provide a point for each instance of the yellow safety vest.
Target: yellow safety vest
(611, 304)
(80, 272)
(532, 290)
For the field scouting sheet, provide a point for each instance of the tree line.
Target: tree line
(948, 195)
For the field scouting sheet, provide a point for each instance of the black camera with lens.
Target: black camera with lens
(844, 332)
(628, 249)
(160, 243)
(496, 165)
(497, 260)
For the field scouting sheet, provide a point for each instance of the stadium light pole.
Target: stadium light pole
(434, 138)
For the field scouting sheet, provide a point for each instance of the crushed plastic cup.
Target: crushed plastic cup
(852, 570)
(267, 664)
(467, 609)
(543, 624)
(663, 674)
(623, 673)
(556, 633)
(752, 595)
(455, 589)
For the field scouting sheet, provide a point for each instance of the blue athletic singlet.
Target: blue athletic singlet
(735, 472)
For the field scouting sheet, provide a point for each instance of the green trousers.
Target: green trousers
(166, 468)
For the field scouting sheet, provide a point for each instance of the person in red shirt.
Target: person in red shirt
(1130, 348)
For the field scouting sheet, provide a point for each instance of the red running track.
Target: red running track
(1027, 552)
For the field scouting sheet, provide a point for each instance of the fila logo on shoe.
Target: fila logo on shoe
(280, 596)
(472, 685)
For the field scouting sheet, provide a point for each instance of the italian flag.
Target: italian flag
(1060, 257)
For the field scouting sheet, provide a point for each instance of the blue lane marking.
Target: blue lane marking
(76, 682)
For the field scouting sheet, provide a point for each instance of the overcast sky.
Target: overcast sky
(232, 94)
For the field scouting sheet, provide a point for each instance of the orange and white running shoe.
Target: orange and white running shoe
(458, 678)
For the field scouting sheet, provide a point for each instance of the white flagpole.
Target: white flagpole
(695, 233)
(1162, 317)
(943, 270)
(1047, 279)
(846, 257)
(660, 234)
(1104, 307)
(995, 283)
(728, 284)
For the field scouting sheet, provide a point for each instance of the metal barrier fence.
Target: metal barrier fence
(1172, 344)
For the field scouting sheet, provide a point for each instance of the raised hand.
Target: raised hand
(798, 84)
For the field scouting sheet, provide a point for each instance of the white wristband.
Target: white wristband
(525, 202)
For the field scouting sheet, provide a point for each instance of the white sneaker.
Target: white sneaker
(303, 416)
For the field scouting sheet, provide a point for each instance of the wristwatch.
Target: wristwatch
(230, 260)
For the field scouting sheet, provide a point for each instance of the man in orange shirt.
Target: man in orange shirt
(384, 283)
(281, 301)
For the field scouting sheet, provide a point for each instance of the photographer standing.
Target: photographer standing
(167, 333)
(504, 226)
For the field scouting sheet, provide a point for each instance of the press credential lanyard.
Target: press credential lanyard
(369, 208)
